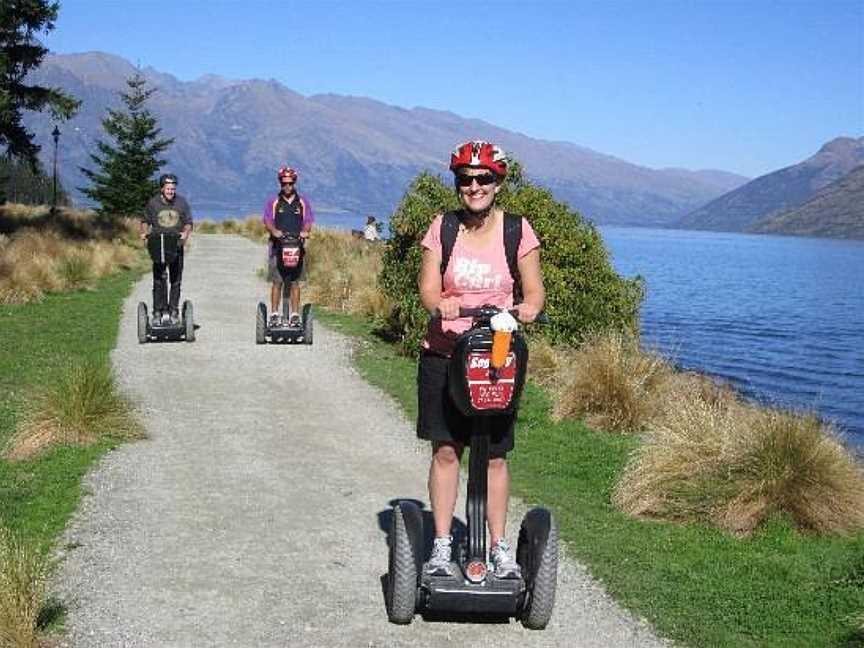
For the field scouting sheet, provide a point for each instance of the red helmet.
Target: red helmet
(286, 174)
(481, 155)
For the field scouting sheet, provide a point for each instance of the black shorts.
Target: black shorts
(437, 416)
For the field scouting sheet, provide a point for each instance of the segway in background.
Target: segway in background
(164, 248)
(484, 382)
(289, 254)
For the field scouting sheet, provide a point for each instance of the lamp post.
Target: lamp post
(56, 135)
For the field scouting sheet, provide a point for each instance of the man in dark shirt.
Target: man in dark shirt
(286, 213)
(167, 213)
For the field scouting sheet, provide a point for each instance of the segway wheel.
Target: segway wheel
(189, 321)
(308, 324)
(143, 323)
(401, 573)
(537, 555)
(261, 324)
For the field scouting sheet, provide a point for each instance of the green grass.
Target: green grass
(38, 343)
(695, 584)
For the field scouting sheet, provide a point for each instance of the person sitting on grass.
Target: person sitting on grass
(370, 232)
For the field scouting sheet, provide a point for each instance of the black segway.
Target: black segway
(289, 254)
(164, 248)
(481, 392)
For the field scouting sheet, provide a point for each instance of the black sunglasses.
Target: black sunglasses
(465, 180)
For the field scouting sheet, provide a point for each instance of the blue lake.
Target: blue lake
(782, 318)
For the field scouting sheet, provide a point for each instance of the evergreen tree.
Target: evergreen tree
(124, 182)
(20, 52)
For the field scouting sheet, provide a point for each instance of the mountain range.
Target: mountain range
(836, 210)
(764, 204)
(355, 155)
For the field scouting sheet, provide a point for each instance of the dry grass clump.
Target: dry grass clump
(343, 273)
(545, 361)
(734, 465)
(44, 253)
(23, 591)
(611, 383)
(82, 407)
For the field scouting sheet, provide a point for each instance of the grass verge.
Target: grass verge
(39, 343)
(694, 583)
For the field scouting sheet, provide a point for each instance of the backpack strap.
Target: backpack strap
(512, 238)
(449, 232)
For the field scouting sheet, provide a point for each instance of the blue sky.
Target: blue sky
(747, 87)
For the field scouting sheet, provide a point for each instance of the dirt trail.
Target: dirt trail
(252, 516)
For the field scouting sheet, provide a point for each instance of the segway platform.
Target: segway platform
(283, 333)
(156, 331)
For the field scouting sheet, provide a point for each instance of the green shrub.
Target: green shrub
(583, 292)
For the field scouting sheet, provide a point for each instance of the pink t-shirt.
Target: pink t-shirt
(478, 276)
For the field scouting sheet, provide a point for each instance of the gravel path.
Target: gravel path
(252, 516)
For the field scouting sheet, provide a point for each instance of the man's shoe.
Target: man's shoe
(275, 320)
(439, 562)
(294, 320)
(504, 564)
(175, 316)
(166, 319)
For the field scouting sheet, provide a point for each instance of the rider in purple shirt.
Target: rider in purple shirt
(286, 213)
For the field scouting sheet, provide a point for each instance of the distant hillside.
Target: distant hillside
(787, 188)
(836, 211)
(354, 154)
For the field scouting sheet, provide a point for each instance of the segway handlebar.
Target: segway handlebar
(489, 311)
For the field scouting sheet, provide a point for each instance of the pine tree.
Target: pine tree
(20, 52)
(124, 181)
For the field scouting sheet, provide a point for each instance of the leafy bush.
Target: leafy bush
(583, 292)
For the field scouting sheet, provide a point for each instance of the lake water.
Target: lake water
(782, 318)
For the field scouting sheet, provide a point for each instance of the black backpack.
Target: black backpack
(512, 238)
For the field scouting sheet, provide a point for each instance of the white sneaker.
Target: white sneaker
(503, 562)
(439, 563)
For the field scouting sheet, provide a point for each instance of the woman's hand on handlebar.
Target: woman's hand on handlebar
(449, 308)
(526, 312)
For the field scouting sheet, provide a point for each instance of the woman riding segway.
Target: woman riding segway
(471, 271)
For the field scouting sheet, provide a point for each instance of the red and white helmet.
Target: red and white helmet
(480, 155)
(286, 174)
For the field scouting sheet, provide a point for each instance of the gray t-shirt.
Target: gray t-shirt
(164, 216)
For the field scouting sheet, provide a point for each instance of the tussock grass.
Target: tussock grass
(23, 591)
(42, 253)
(610, 382)
(343, 274)
(735, 466)
(80, 408)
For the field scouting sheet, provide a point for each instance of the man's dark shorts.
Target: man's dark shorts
(437, 416)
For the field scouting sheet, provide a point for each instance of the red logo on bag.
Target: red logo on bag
(486, 393)
(290, 257)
